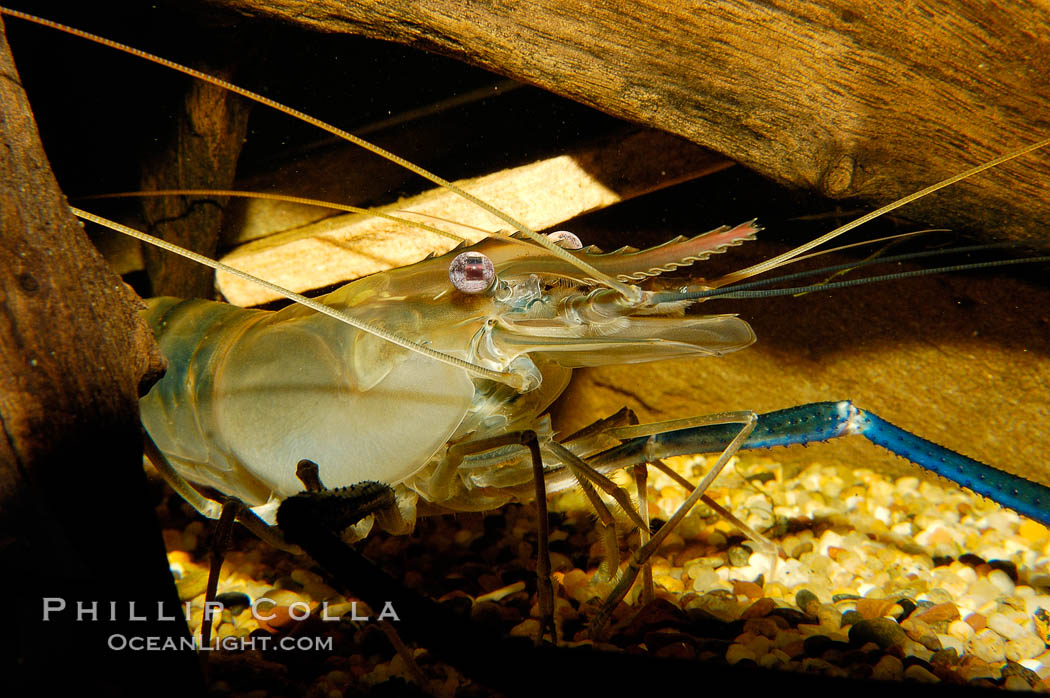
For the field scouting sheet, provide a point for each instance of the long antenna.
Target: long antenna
(783, 258)
(516, 381)
(286, 198)
(628, 291)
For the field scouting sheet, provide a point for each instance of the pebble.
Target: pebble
(922, 633)
(705, 579)
(949, 642)
(974, 668)
(939, 612)
(234, 600)
(282, 597)
(1002, 581)
(759, 609)
(1026, 646)
(918, 673)
(829, 617)
(962, 630)
(773, 660)
(1033, 532)
(760, 645)
(805, 599)
(966, 603)
(882, 631)
(876, 608)
(849, 618)
(988, 646)
(738, 652)
(191, 579)
(748, 589)
(718, 604)
(530, 627)
(766, 627)
(1016, 683)
(739, 556)
(888, 668)
(980, 592)
(1005, 627)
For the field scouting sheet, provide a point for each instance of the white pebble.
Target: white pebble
(952, 642)
(760, 560)
(1042, 669)
(1032, 664)
(704, 579)
(1002, 581)
(747, 573)
(830, 539)
(1024, 591)
(791, 573)
(1005, 627)
(865, 588)
(904, 528)
(1033, 604)
(987, 645)
(981, 592)
(1002, 521)
(1026, 646)
(961, 629)
(908, 484)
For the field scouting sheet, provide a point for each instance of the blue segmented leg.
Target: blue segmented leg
(822, 421)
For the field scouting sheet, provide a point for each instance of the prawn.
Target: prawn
(548, 325)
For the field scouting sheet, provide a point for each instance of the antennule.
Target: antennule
(632, 293)
(781, 259)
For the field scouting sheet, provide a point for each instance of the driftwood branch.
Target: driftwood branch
(850, 99)
(76, 523)
(209, 130)
(541, 194)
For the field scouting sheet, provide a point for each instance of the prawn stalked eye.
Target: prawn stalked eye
(466, 444)
(563, 238)
(472, 272)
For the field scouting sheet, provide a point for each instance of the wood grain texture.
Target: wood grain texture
(75, 517)
(541, 194)
(201, 151)
(938, 366)
(851, 99)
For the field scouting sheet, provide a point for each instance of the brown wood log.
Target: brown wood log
(201, 153)
(875, 104)
(541, 194)
(74, 510)
(867, 100)
(1000, 369)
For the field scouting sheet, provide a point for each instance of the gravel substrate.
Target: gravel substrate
(897, 580)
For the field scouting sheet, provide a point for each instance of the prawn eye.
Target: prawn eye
(472, 272)
(563, 238)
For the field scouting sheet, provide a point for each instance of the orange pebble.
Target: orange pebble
(942, 611)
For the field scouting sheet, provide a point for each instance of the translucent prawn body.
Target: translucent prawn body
(250, 393)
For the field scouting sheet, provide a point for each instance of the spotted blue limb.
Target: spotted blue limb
(822, 421)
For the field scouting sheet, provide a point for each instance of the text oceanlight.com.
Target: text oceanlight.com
(263, 643)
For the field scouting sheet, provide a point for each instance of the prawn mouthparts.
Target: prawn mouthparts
(431, 383)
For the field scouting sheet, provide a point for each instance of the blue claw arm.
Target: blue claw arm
(822, 421)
